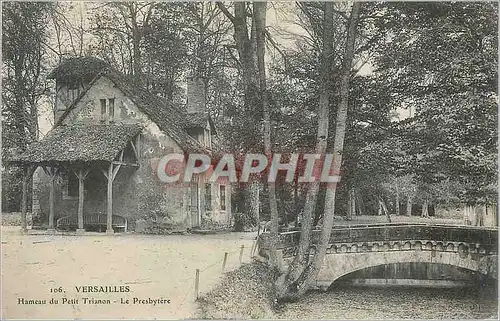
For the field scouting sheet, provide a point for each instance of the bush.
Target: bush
(144, 226)
(244, 221)
(11, 189)
(11, 219)
(208, 223)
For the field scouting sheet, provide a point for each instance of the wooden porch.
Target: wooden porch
(81, 163)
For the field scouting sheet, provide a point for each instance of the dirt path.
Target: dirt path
(153, 267)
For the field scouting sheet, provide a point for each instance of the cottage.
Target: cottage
(97, 167)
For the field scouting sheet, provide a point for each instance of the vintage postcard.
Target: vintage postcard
(249, 160)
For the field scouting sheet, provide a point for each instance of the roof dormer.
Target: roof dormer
(73, 77)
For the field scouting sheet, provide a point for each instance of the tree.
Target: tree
(259, 14)
(293, 284)
(441, 59)
(23, 42)
(252, 66)
(24, 33)
(71, 35)
(128, 21)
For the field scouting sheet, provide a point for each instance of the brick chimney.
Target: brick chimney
(195, 95)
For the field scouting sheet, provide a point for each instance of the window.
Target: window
(73, 90)
(223, 197)
(208, 197)
(103, 110)
(107, 109)
(111, 109)
(207, 137)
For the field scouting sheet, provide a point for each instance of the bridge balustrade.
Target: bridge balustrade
(486, 237)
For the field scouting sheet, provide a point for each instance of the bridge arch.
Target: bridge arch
(357, 247)
(342, 260)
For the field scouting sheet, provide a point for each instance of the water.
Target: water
(395, 303)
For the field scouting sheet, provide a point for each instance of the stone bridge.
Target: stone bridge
(358, 247)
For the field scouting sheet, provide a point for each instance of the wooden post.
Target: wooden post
(52, 173)
(110, 175)
(241, 253)
(109, 219)
(24, 202)
(224, 262)
(24, 205)
(51, 205)
(81, 196)
(252, 249)
(81, 174)
(197, 283)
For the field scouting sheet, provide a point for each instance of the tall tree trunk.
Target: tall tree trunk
(361, 205)
(136, 43)
(259, 16)
(425, 209)
(300, 286)
(246, 47)
(253, 190)
(384, 209)
(408, 206)
(480, 215)
(353, 202)
(302, 258)
(398, 212)
(296, 201)
(351, 205)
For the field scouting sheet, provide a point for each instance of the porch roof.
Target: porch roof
(80, 143)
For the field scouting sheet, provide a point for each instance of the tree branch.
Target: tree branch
(224, 10)
(275, 46)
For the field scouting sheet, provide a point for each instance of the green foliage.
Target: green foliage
(150, 205)
(24, 32)
(243, 221)
(11, 189)
(209, 223)
(441, 58)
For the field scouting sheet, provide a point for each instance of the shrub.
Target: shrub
(11, 189)
(244, 221)
(209, 223)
